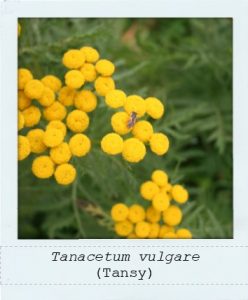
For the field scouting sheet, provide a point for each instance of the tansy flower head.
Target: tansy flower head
(53, 137)
(154, 107)
(60, 154)
(48, 97)
(56, 111)
(34, 89)
(65, 174)
(43, 167)
(31, 116)
(184, 233)
(24, 76)
(135, 104)
(159, 143)
(112, 144)
(77, 121)
(133, 150)
(119, 122)
(148, 190)
(105, 67)
(115, 98)
(165, 230)
(53, 82)
(136, 213)
(160, 178)
(143, 131)
(89, 72)
(73, 59)
(91, 54)
(86, 101)
(79, 144)
(23, 147)
(142, 229)
(154, 231)
(153, 215)
(119, 212)
(179, 193)
(103, 85)
(74, 79)
(161, 201)
(35, 137)
(172, 216)
(23, 100)
(123, 228)
(57, 125)
(66, 96)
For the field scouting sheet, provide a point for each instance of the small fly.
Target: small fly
(132, 120)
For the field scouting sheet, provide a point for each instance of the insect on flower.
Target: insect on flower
(132, 120)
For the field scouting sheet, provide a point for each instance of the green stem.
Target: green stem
(75, 209)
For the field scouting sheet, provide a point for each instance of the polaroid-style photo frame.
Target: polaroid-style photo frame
(123, 167)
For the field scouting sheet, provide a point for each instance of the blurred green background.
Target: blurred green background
(187, 63)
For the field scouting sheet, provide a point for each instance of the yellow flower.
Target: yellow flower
(19, 29)
(35, 137)
(77, 121)
(23, 100)
(91, 54)
(66, 96)
(136, 213)
(112, 144)
(123, 228)
(43, 167)
(24, 76)
(119, 212)
(183, 233)
(170, 235)
(132, 235)
(148, 190)
(167, 188)
(165, 230)
(53, 82)
(143, 131)
(153, 215)
(154, 107)
(34, 89)
(48, 97)
(142, 229)
(103, 85)
(73, 59)
(60, 154)
(161, 201)
(31, 116)
(105, 67)
(57, 125)
(179, 193)
(89, 72)
(159, 143)
(86, 101)
(56, 111)
(172, 216)
(23, 147)
(135, 104)
(53, 137)
(20, 120)
(79, 144)
(119, 122)
(160, 178)
(133, 150)
(65, 174)
(154, 231)
(115, 98)
(74, 79)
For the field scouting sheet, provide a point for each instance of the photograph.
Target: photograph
(125, 128)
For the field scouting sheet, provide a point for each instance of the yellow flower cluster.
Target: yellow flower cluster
(128, 121)
(55, 116)
(160, 218)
